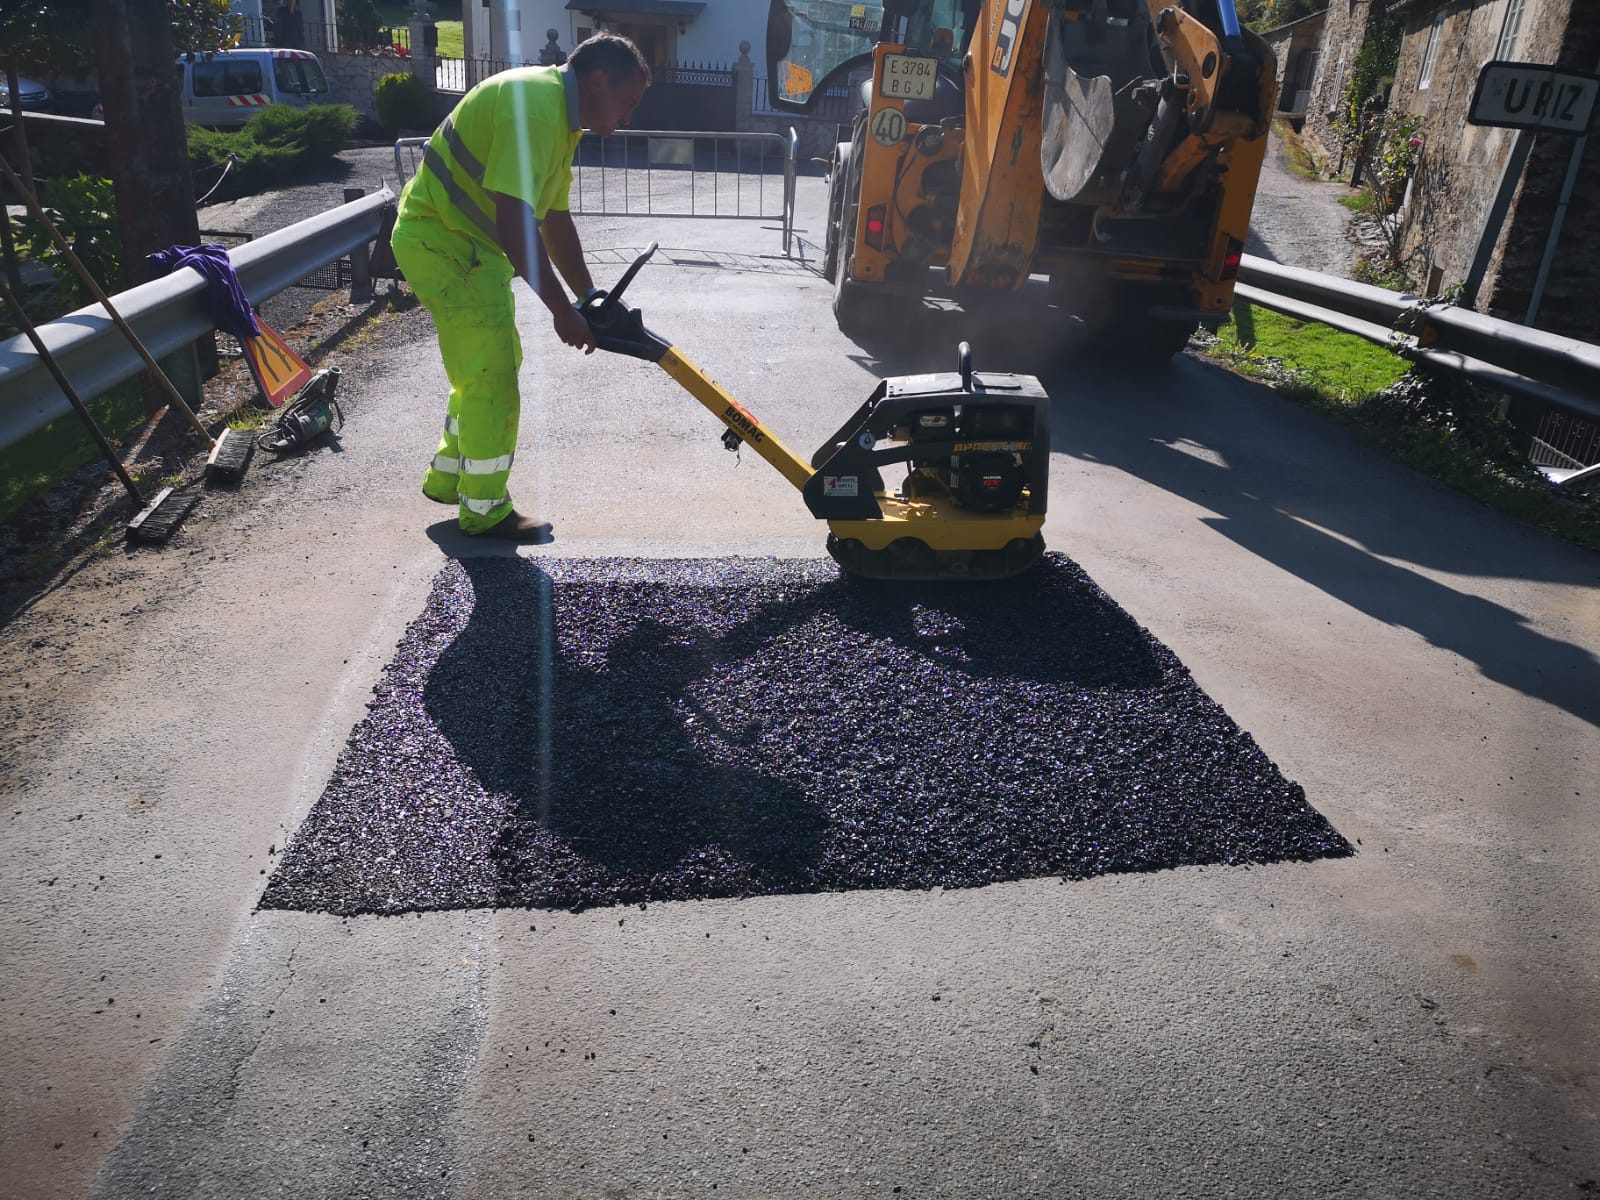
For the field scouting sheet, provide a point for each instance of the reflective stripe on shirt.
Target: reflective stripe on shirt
(464, 203)
(466, 158)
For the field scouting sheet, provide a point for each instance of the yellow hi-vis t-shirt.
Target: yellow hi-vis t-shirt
(515, 133)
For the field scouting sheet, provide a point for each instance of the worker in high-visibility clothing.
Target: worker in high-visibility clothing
(488, 201)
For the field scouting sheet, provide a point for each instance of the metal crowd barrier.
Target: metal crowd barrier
(167, 314)
(666, 173)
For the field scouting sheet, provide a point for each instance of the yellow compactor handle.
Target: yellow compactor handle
(736, 417)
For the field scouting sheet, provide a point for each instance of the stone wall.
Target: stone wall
(1453, 189)
(353, 78)
(62, 146)
(1344, 30)
(1290, 45)
(1459, 165)
(1567, 305)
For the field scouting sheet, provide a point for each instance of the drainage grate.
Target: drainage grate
(330, 278)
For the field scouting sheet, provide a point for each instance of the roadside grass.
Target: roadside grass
(45, 458)
(1263, 343)
(247, 419)
(1295, 152)
(1437, 426)
(396, 14)
(450, 40)
(1359, 202)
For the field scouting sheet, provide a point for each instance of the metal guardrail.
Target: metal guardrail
(682, 174)
(1530, 362)
(167, 314)
(1560, 372)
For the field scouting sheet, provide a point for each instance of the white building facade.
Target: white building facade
(670, 32)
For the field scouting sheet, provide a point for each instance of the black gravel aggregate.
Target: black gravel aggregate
(577, 732)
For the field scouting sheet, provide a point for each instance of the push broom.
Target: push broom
(156, 518)
(230, 452)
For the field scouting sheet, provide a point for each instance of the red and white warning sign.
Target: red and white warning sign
(279, 371)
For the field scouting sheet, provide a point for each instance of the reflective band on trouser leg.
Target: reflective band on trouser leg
(482, 361)
(463, 288)
(487, 466)
(440, 481)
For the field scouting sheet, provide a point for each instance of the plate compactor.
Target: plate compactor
(975, 447)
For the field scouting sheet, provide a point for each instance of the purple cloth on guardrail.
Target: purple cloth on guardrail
(230, 307)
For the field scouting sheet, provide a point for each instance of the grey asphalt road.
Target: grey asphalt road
(1413, 1021)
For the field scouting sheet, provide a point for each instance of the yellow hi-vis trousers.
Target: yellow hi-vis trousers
(468, 293)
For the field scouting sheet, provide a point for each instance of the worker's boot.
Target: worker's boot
(515, 527)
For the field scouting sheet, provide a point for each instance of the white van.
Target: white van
(229, 87)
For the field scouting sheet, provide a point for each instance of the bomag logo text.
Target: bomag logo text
(1012, 14)
(743, 421)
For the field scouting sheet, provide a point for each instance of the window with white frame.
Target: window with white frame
(1506, 47)
(1430, 52)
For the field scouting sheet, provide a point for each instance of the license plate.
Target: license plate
(908, 78)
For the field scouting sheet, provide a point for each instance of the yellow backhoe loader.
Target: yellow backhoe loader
(1111, 145)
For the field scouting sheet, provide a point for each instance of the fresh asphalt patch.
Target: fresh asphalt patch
(573, 732)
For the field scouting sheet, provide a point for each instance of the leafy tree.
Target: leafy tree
(203, 26)
(1370, 76)
(47, 37)
(83, 210)
(1269, 14)
(359, 22)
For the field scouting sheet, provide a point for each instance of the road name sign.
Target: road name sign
(1531, 96)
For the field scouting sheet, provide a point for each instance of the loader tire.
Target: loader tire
(837, 185)
(853, 302)
(1139, 340)
(1166, 339)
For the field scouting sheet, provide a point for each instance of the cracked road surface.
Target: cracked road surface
(1416, 1020)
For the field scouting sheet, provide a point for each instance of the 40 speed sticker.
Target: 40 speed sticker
(889, 127)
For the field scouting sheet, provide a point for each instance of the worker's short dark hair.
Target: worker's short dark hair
(617, 56)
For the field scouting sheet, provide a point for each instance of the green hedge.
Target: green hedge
(404, 102)
(278, 141)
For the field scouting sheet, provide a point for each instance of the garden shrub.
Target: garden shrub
(318, 132)
(404, 102)
(277, 142)
(359, 22)
(84, 210)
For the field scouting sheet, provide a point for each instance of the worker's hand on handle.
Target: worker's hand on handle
(572, 329)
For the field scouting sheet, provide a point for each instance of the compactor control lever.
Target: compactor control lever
(618, 328)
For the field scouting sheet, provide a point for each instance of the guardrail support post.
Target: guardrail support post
(360, 260)
(182, 367)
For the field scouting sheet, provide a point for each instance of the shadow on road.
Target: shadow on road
(1303, 495)
(1285, 485)
(596, 752)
